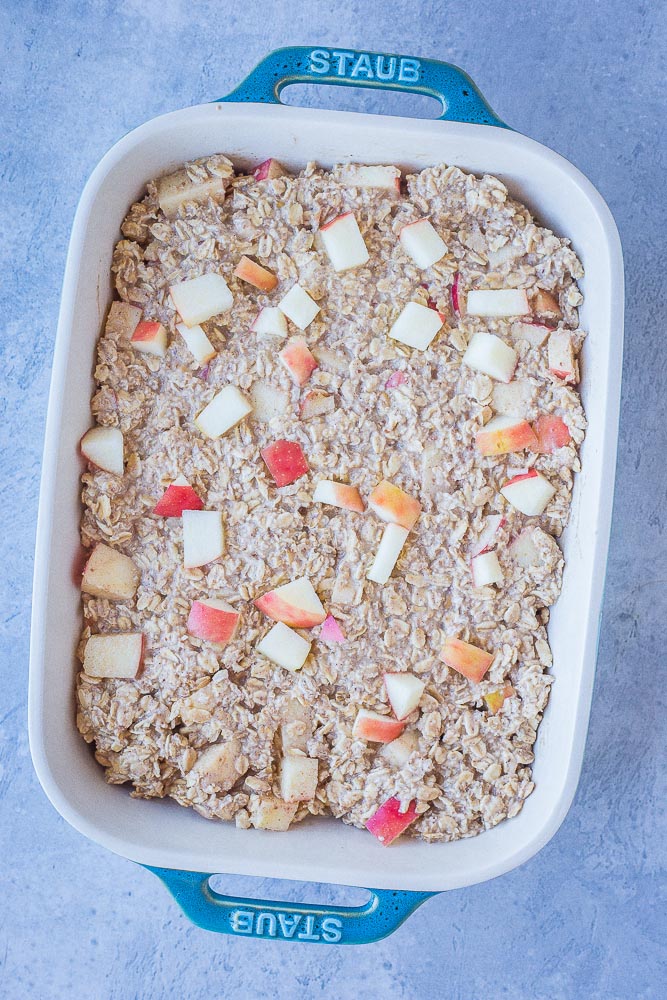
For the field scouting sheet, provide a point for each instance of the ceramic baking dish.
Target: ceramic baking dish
(250, 125)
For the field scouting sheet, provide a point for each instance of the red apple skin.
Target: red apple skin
(496, 699)
(329, 224)
(298, 360)
(551, 432)
(524, 475)
(466, 659)
(269, 170)
(146, 330)
(391, 503)
(285, 461)
(389, 822)
(398, 378)
(502, 442)
(248, 270)
(273, 606)
(175, 500)
(455, 295)
(212, 624)
(377, 728)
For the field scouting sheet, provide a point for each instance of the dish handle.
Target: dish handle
(305, 922)
(460, 99)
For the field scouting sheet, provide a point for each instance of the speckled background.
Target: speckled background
(586, 917)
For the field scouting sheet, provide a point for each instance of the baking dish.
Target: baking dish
(251, 125)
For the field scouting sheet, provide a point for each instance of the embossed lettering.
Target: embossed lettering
(307, 934)
(332, 930)
(341, 58)
(385, 73)
(319, 61)
(286, 928)
(270, 921)
(408, 70)
(363, 67)
(241, 921)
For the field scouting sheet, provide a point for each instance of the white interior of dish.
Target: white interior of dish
(160, 832)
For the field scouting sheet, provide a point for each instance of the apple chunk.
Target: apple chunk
(496, 699)
(371, 176)
(177, 188)
(338, 495)
(416, 326)
(343, 242)
(256, 275)
(376, 728)
(404, 692)
(331, 631)
(390, 547)
(529, 492)
(269, 813)
(201, 298)
(197, 343)
(298, 360)
(466, 658)
(123, 319)
(489, 535)
(269, 170)
(108, 573)
(203, 537)
(298, 306)
(422, 243)
(294, 603)
(505, 434)
(103, 447)
(118, 655)
(226, 410)
(551, 432)
(267, 401)
(284, 646)
(391, 503)
(488, 354)
(561, 356)
(213, 620)
(498, 302)
(178, 497)
(398, 752)
(285, 461)
(298, 778)
(271, 322)
(150, 338)
(486, 569)
(389, 822)
(316, 404)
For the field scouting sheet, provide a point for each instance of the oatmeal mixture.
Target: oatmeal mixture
(194, 701)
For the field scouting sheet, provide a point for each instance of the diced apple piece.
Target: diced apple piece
(488, 354)
(316, 404)
(123, 319)
(505, 434)
(486, 570)
(546, 304)
(529, 492)
(534, 333)
(298, 778)
(285, 461)
(298, 360)
(108, 573)
(103, 447)
(294, 603)
(256, 275)
(397, 753)
(376, 728)
(488, 538)
(398, 378)
(216, 765)
(284, 646)
(201, 298)
(338, 495)
(388, 823)
(177, 188)
(343, 242)
(267, 401)
(498, 302)
(385, 178)
(203, 537)
(271, 322)
(298, 306)
(456, 304)
(513, 399)
(416, 326)
(118, 655)
(404, 692)
(178, 497)
(269, 170)
(331, 631)
(524, 550)
(551, 432)
(197, 343)
(561, 356)
(391, 503)
(213, 620)
(466, 659)
(496, 699)
(296, 726)
(335, 361)
(386, 557)
(269, 813)
(422, 243)
(150, 338)
(226, 410)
